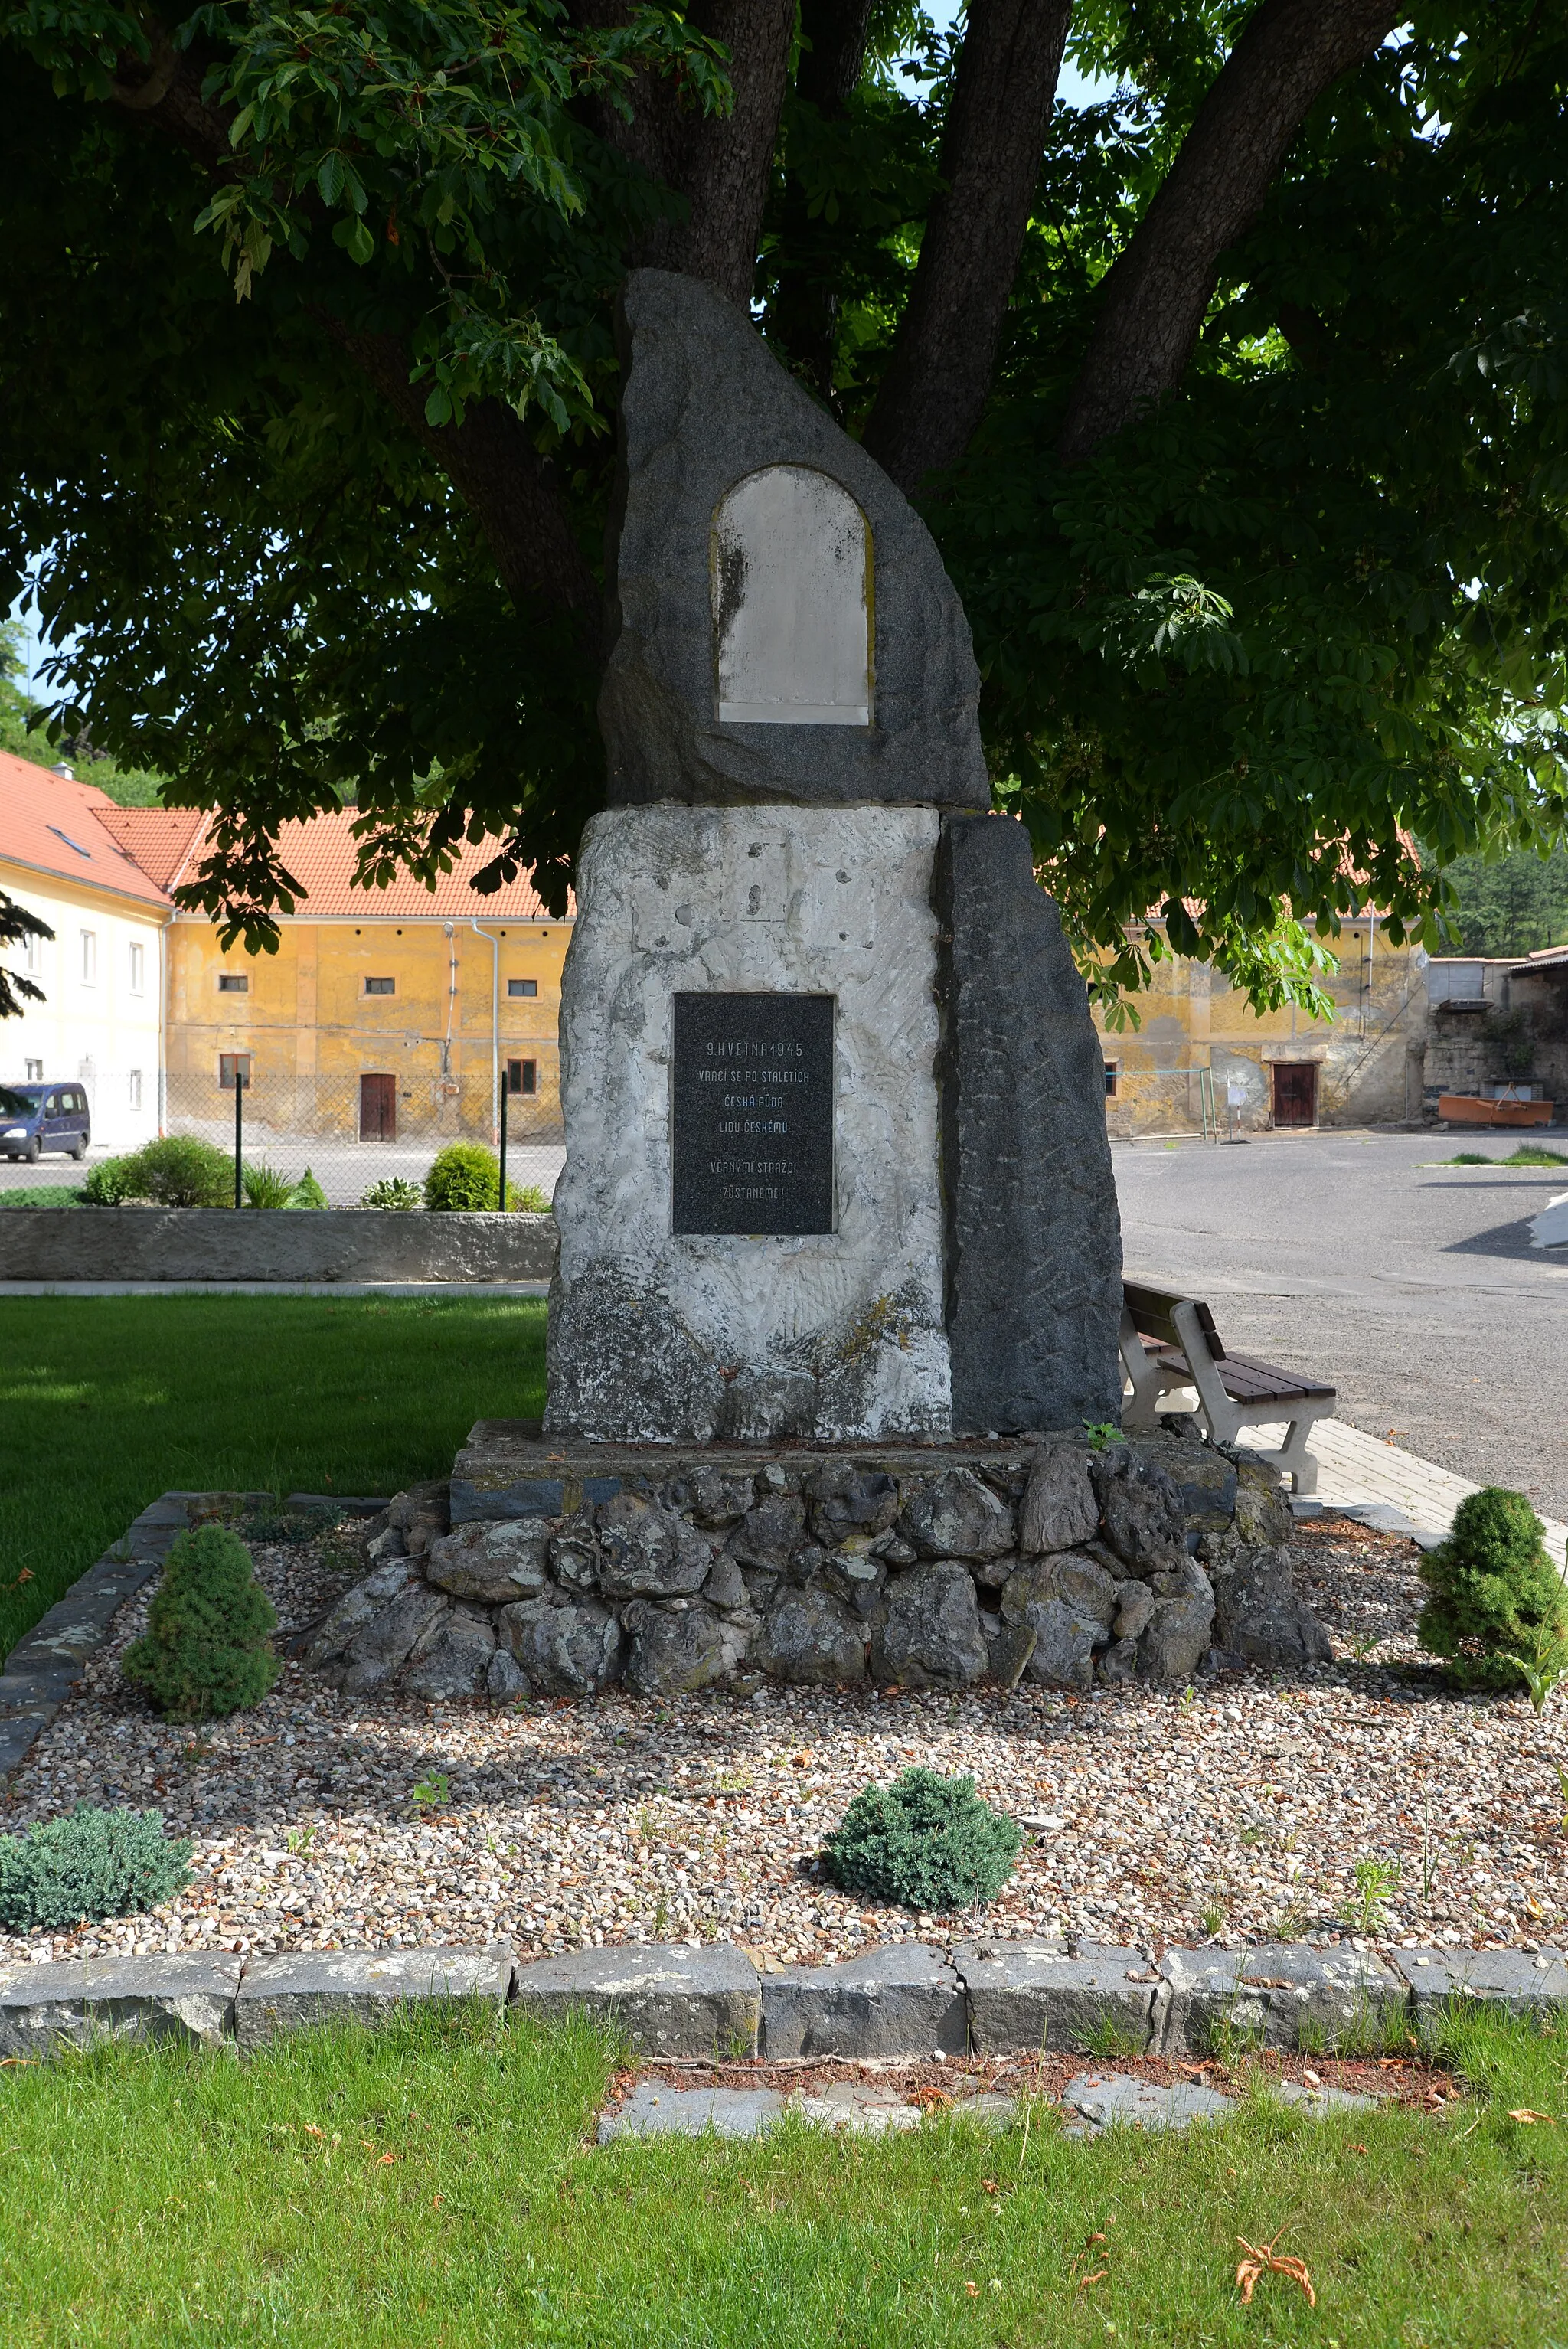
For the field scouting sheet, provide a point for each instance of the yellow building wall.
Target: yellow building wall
(1367, 1056)
(312, 1031)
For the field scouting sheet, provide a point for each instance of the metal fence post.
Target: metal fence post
(239, 1129)
(505, 1087)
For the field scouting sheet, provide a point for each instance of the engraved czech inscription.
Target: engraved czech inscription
(753, 1113)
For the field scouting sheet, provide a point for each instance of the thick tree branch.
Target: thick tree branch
(804, 313)
(832, 52)
(1155, 297)
(943, 357)
(729, 158)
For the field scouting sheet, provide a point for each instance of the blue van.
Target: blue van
(36, 1118)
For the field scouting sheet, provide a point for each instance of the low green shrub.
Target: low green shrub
(306, 1193)
(927, 1841)
(111, 1182)
(205, 1649)
(1496, 1611)
(393, 1194)
(177, 1171)
(90, 1865)
(265, 1187)
(528, 1198)
(41, 1194)
(464, 1180)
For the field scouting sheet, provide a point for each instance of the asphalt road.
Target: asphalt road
(1411, 1285)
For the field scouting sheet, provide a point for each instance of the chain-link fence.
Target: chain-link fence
(350, 1131)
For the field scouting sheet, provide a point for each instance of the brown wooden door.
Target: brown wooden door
(378, 1109)
(1294, 1092)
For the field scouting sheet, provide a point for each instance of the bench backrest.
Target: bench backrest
(1154, 1314)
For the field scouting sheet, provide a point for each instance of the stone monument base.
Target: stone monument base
(558, 1568)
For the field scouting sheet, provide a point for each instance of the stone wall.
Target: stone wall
(358, 1244)
(932, 1569)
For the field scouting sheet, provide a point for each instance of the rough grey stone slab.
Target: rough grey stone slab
(525, 1497)
(20, 1731)
(901, 2000)
(1107, 2100)
(671, 2003)
(656, 2109)
(1033, 1236)
(348, 1504)
(291, 1993)
(1319, 2103)
(44, 2009)
(860, 2108)
(198, 1244)
(1024, 1995)
(705, 404)
(1522, 1982)
(1279, 1996)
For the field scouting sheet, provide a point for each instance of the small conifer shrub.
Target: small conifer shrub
(89, 1865)
(1497, 1603)
(927, 1841)
(205, 1651)
(306, 1193)
(465, 1179)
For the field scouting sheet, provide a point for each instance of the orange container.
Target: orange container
(1469, 1109)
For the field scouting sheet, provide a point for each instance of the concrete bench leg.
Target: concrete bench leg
(1295, 1460)
(1139, 1412)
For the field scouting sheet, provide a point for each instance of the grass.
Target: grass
(42, 1195)
(107, 1402)
(1529, 1153)
(432, 2185)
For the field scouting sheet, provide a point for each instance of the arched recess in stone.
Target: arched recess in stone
(792, 602)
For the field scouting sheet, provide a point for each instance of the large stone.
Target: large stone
(1134, 1606)
(1059, 1508)
(574, 1553)
(1176, 1637)
(807, 1635)
(656, 2108)
(680, 1645)
(1520, 1981)
(846, 1500)
(342, 1624)
(492, 1563)
(929, 1634)
(770, 1534)
(858, 1576)
(44, 2009)
(707, 406)
(958, 1515)
(1281, 1994)
(1121, 2099)
(1145, 1522)
(453, 1657)
(310, 1987)
(1034, 1242)
(718, 1499)
(1067, 1602)
(649, 1552)
(674, 2003)
(838, 1333)
(385, 1643)
(1258, 1615)
(900, 2001)
(1262, 1513)
(1027, 1995)
(564, 1651)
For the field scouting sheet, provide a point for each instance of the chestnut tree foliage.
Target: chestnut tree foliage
(1236, 401)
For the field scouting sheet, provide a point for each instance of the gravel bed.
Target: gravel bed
(1240, 1809)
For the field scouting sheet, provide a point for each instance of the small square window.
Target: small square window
(135, 1088)
(232, 1065)
(380, 987)
(89, 957)
(138, 969)
(522, 1076)
(34, 1073)
(1112, 1075)
(522, 987)
(233, 982)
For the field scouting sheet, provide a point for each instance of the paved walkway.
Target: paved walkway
(1382, 1486)
(275, 1289)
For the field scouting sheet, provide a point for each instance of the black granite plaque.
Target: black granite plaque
(753, 1113)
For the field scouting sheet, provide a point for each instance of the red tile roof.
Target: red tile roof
(56, 826)
(160, 839)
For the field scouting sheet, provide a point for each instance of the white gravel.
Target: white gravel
(1241, 1807)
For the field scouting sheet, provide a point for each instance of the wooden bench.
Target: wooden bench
(1169, 1340)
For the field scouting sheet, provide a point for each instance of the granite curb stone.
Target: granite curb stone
(669, 2002)
(1274, 1994)
(1522, 1982)
(45, 2008)
(314, 1986)
(899, 2001)
(1107, 2100)
(656, 2109)
(1025, 1996)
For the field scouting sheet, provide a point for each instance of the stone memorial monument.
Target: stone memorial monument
(836, 1160)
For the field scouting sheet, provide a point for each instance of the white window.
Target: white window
(135, 1095)
(138, 970)
(35, 954)
(89, 957)
(34, 1073)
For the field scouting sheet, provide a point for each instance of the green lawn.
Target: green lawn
(158, 2199)
(107, 1402)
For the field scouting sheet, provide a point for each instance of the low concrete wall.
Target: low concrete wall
(271, 1244)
